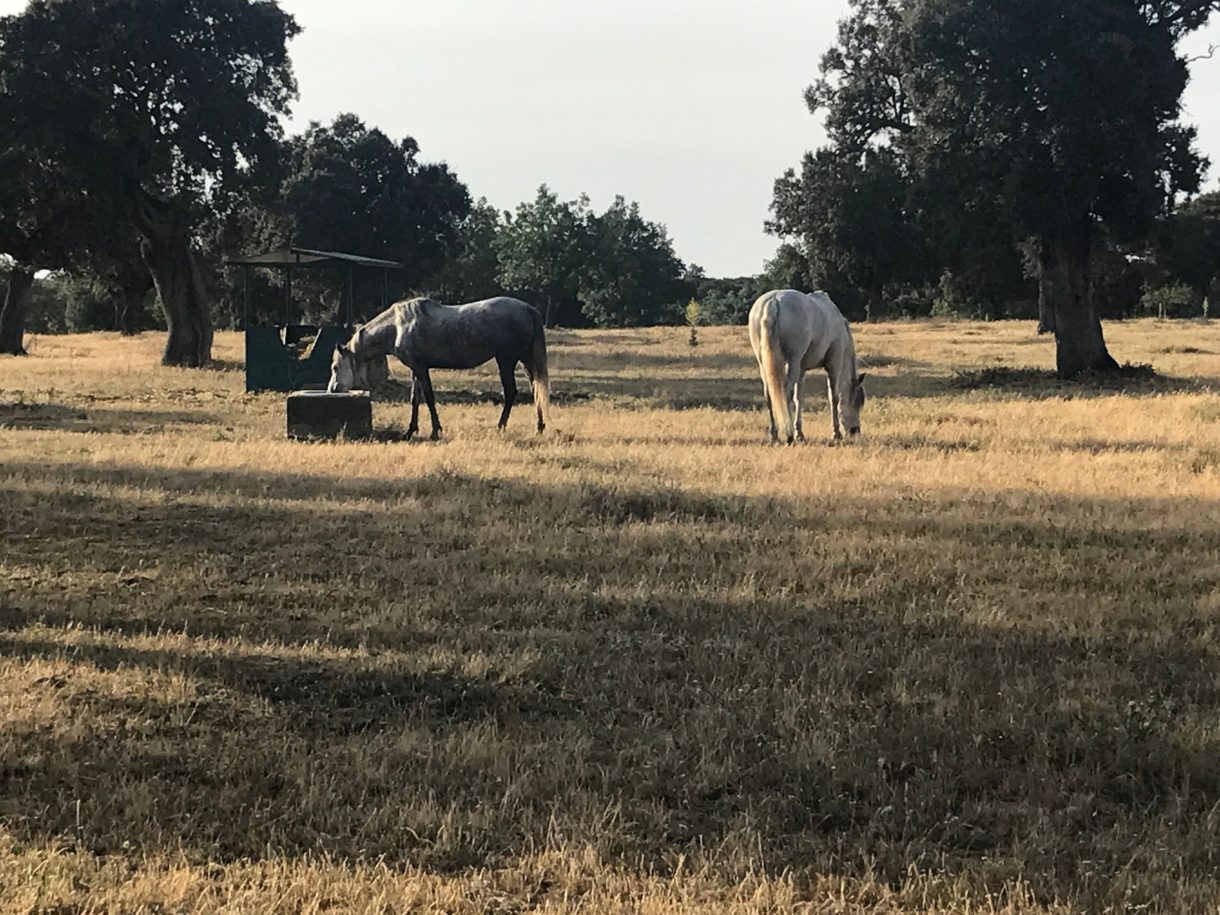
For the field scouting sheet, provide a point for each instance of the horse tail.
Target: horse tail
(539, 376)
(774, 368)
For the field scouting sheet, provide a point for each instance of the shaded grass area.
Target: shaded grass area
(1129, 379)
(340, 696)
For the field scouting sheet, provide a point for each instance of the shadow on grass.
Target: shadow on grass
(510, 676)
(329, 697)
(1035, 384)
(463, 392)
(65, 418)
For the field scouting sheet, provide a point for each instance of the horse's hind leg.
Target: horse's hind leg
(833, 396)
(796, 406)
(508, 378)
(770, 414)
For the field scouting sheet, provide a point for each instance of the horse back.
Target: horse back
(465, 336)
(804, 325)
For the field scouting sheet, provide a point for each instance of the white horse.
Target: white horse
(425, 335)
(792, 332)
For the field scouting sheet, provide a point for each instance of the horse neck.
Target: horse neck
(377, 337)
(842, 364)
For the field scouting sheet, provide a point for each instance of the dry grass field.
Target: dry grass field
(967, 663)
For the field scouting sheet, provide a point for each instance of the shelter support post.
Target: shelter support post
(288, 297)
(351, 297)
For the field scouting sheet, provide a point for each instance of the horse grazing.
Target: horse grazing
(426, 335)
(792, 332)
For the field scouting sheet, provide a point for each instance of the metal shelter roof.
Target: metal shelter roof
(307, 257)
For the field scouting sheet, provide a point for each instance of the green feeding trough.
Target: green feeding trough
(275, 357)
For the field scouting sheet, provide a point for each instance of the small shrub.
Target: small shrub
(691, 312)
(1172, 301)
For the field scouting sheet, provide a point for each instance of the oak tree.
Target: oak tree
(153, 106)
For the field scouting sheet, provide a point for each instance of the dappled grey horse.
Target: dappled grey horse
(792, 332)
(426, 335)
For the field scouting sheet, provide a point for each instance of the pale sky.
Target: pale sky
(690, 107)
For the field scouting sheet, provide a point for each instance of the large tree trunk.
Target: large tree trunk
(12, 316)
(1046, 301)
(1079, 344)
(166, 248)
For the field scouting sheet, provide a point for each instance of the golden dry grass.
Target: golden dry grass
(641, 664)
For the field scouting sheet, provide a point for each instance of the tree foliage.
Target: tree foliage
(48, 221)
(543, 248)
(1056, 121)
(154, 108)
(345, 187)
(634, 277)
(852, 217)
(612, 269)
(1186, 245)
(348, 187)
(472, 271)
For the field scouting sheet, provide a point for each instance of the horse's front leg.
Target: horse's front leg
(833, 395)
(416, 394)
(425, 380)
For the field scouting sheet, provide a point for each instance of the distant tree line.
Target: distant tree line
(141, 147)
(987, 158)
(348, 187)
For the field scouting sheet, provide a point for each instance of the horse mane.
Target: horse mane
(851, 342)
(422, 303)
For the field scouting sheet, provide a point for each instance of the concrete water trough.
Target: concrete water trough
(326, 415)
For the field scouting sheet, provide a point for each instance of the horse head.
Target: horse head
(343, 369)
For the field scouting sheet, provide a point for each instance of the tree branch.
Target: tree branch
(1211, 52)
(1187, 10)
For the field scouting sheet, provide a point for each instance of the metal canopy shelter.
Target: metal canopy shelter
(308, 259)
(271, 364)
